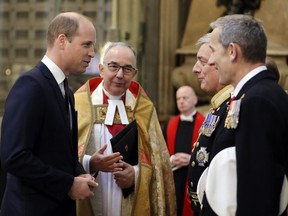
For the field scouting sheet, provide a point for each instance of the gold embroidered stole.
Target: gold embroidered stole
(155, 192)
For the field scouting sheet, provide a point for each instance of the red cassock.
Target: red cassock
(171, 136)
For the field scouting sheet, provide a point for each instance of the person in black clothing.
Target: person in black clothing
(39, 132)
(247, 174)
(180, 133)
(209, 82)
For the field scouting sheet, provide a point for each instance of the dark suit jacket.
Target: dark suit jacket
(38, 149)
(2, 184)
(204, 146)
(261, 142)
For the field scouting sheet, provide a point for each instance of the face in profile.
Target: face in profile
(220, 58)
(80, 49)
(206, 72)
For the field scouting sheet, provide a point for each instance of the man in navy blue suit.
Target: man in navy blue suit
(39, 131)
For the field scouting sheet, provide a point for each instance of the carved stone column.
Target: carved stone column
(167, 46)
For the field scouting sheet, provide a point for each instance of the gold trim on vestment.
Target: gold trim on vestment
(100, 112)
(154, 192)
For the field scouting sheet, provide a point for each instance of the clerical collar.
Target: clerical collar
(114, 103)
(189, 118)
(111, 97)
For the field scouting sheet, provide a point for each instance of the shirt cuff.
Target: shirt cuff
(136, 170)
(86, 163)
(171, 159)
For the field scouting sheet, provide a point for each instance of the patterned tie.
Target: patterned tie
(66, 96)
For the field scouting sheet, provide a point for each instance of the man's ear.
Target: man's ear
(62, 40)
(233, 51)
(101, 69)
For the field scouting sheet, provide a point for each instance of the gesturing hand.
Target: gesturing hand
(108, 163)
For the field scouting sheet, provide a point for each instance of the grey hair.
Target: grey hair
(109, 45)
(203, 40)
(247, 32)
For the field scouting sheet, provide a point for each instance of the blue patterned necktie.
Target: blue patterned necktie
(66, 96)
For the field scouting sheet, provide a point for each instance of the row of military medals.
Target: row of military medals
(232, 118)
(206, 129)
(211, 122)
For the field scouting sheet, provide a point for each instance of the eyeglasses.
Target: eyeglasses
(127, 69)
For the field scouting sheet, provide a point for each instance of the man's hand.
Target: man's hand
(126, 177)
(82, 187)
(88, 176)
(100, 162)
(180, 159)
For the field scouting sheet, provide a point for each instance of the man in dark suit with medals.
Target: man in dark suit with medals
(209, 82)
(247, 174)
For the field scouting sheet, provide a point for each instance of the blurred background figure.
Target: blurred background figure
(180, 133)
(240, 6)
(272, 66)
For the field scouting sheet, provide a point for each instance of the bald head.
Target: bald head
(188, 89)
(186, 100)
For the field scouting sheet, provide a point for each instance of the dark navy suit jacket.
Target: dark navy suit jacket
(261, 141)
(38, 148)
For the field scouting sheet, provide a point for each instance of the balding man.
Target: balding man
(39, 128)
(180, 134)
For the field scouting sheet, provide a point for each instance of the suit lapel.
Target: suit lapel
(61, 103)
(56, 90)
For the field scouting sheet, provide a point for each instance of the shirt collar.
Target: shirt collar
(247, 77)
(189, 118)
(112, 97)
(54, 69)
